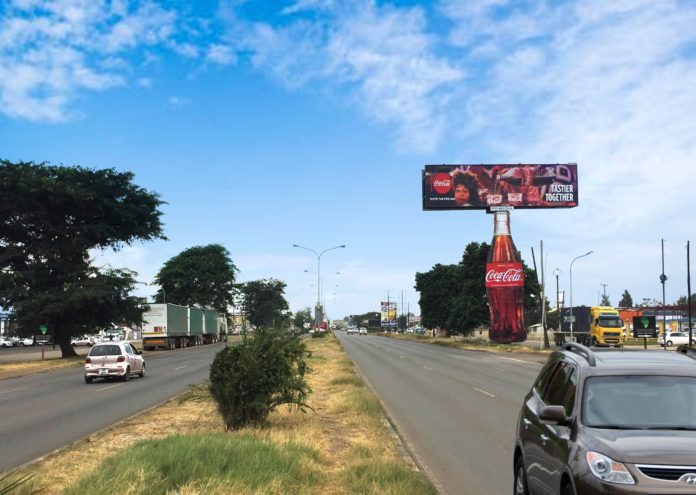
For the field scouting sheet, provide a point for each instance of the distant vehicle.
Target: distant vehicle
(676, 338)
(618, 422)
(25, 342)
(351, 330)
(6, 342)
(89, 341)
(113, 360)
(362, 331)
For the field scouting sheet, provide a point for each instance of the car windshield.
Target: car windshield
(640, 402)
(610, 322)
(105, 350)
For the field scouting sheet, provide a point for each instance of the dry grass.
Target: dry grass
(345, 436)
(471, 344)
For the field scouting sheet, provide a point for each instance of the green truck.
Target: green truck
(165, 326)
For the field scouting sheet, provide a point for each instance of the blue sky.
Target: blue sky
(266, 124)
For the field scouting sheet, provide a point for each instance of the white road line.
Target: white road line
(518, 360)
(484, 392)
(429, 369)
(181, 367)
(110, 386)
(13, 390)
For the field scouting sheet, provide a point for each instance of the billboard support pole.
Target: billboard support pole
(688, 292)
(663, 279)
(543, 296)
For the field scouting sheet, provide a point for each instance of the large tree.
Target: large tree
(303, 318)
(201, 275)
(263, 302)
(50, 218)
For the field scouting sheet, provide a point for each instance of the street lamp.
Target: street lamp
(571, 290)
(317, 314)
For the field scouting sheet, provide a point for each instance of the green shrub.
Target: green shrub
(252, 378)
(319, 335)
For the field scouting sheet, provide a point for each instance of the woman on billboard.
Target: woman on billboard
(466, 189)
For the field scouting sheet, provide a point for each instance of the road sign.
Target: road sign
(43, 329)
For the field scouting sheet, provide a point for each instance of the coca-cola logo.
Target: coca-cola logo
(504, 275)
(442, 183)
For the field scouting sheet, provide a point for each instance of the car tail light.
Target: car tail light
(121, 359)
(88, 361)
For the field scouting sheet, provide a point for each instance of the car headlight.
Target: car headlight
(607, 469)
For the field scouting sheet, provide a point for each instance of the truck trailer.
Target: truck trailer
(595, 325)
(165, 326)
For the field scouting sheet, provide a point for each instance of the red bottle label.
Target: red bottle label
(509, 274)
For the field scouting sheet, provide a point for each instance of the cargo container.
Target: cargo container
(165, 326)
(210, 326)
(195, 326)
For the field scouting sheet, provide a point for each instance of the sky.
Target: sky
(266, 124)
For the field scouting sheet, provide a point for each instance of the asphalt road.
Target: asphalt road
(43, 412)
(455, 409)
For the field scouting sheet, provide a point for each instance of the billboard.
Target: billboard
(644, 326)
(481, 187)
(388, 314)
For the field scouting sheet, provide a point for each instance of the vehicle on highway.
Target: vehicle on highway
(25, 342)
(113, 360)
(352, 330)
(620, 422)
(676, 338)
(6, 342)
(77, 341)
(362, 331)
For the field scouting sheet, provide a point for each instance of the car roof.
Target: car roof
(636, 361)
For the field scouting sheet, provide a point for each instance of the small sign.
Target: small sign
(569, 319)
(501, 208)
(644, 326)
(43, 329)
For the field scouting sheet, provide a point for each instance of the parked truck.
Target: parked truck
(596, 325)
(210, 326)
(165, 326)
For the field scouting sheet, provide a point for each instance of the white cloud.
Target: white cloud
(221, 54)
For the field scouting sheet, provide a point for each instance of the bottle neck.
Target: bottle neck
(501, 223)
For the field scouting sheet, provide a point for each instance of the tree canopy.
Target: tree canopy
(202, 275)
(303, 317)
(263, 302)
(453, 297)
(51, 217)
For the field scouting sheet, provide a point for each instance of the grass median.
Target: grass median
(182, 447)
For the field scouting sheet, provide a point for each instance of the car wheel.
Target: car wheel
(594, 341)
(669, 343)
(142, 371)
(568, 489)
(126, 376)
(520, 484)
(88, 379)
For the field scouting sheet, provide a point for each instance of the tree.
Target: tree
(605, 300)
(303, 318)
(438, 288)
(626, 300)
(263, 302)
(683, 302)
(650, 303)
(52, 216)
(198, 276)
(469, 309)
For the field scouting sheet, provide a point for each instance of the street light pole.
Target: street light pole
(571, 290)
(317, 312)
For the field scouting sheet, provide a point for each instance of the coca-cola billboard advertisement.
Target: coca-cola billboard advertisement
(504, 275)
(480, 187)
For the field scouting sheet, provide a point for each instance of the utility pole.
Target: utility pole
(663, 279)
(688, 292)
(605, 291)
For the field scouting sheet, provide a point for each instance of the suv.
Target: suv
(615, 422)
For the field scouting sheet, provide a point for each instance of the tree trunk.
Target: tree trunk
(66, 349)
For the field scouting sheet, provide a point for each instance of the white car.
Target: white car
(6, 342)
(25, 341)
(113, 360)
(82, 341)
(351, 330)
(676, 338)
(362, 331)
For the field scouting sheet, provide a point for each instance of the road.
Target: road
(455, 409)
(43, 412)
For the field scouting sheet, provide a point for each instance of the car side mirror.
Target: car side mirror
(555, 414)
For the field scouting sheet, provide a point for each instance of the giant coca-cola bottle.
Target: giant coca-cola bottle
(505, 285)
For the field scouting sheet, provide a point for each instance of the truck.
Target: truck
(210, 326)
(165, 326)
(595, 325)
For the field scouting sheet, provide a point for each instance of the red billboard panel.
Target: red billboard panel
(480, 187)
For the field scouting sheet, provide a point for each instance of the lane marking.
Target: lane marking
(110, 386)
(181, 367)
(484, 392)
(429, 369)
(517, 360)
(13, 390)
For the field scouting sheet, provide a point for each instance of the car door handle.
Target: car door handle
(544, 439)
(526, 423)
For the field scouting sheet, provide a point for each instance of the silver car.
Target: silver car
(113, 360)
